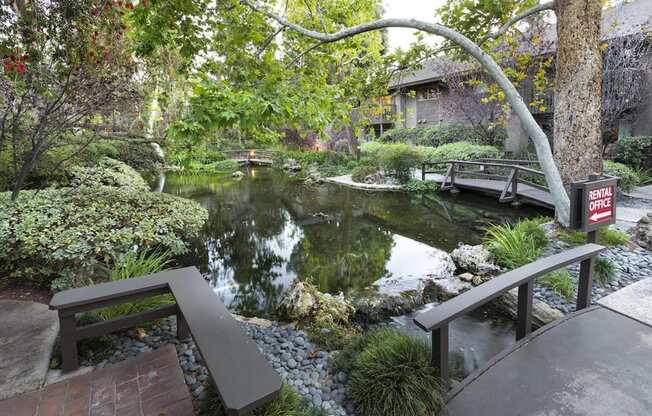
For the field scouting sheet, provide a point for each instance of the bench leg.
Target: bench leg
(183, 331)
(67, 327)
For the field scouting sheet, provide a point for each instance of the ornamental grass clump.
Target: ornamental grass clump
(512, 246)
(134, 265)
(561, 282)
(605, 271)
(288, 403)
(390, 374)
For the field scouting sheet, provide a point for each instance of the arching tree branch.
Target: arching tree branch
(511, 22)
(299, 56)
(539, 138)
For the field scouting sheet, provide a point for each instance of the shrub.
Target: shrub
(133, 265)
(288, 403)
(333, 336)
(361, 172)
(399, 160)
(439, 135)
(108, 172)
(515, 246)
(612, 238)
(74, 232)
(606, 236)
(416, 185)
(605, 271)
(635, 152)
(460, 151)
(532, 227)
(390, 374)
(561, 282)
(628, 177)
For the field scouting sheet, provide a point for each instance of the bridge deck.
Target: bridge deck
(594, 362)
(525, 192)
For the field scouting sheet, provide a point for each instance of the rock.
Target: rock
(378, 308)
(313, 176)
(291, 165)
(466, 277)
(303, 302)
(401, 284)
(542, 313)
(237, 174)
(376, 178)
(474, 259)
(477, 280)
(446, 288)
(642, 232)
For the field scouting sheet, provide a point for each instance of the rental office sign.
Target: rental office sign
(593, 203)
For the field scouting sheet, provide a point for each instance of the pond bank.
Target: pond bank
(346, 180)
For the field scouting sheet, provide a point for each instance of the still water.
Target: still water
(266, 230)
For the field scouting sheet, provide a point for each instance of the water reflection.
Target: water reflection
(265, 231)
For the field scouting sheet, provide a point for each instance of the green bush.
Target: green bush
(399, 159)
(605, 271)
(606, 236)
(416, 185)
(390, 374)
(69, 233)
(108, 172)
(440, 135)
(361, 172)
(532, 227)
(628, 177)
(134, 265)
(459, 151)
(561, 282)
(288, 403)
(515, 246)
(635, 152)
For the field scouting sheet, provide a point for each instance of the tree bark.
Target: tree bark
(578, 90)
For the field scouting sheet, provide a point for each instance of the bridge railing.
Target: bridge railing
(249, 154)
(437, 319)
(511, 171)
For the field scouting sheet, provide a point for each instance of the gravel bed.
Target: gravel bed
(631, 266)
(299, 363)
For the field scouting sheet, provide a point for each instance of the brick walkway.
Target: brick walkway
(151, 384)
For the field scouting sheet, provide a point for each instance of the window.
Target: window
(428, 94)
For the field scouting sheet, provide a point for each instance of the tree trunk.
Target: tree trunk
(578, 90)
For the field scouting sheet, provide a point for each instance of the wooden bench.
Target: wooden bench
(242, 376)
(437, 319)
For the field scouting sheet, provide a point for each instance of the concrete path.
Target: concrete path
(633, 301)
(642, 192)
(151, 384)
(27, 335)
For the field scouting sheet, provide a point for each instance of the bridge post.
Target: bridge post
(440, 353)
(524, 309)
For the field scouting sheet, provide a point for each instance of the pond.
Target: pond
(266, 230)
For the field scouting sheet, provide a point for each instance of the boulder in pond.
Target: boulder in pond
(475, 259)
(445, 288)
(304, 303)
(238, 174)
(378, 308)
(291, 165)
(542, 313)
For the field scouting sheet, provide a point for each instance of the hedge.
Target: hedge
(635, 152)
(437, 136)
(459, 151)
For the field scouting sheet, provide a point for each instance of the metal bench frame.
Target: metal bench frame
(243, 377)
(437, 319)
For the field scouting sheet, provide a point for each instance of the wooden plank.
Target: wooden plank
(478, 296)
(106, 327)
(242, 375)
(111, 290)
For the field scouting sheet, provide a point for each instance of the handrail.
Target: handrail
(438, 318)
(243, 377)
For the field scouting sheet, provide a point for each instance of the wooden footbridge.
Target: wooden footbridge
(512, 180)
(595, 361)
(258, 157)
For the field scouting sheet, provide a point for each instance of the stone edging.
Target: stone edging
(347, 181)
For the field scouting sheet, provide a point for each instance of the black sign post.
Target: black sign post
(593, 206)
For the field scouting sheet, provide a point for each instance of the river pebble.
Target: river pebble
(300, 363)
(631, 266)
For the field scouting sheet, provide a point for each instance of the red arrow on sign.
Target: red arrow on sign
(600, 215)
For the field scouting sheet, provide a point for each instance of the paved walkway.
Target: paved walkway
(151, 384)
(642, 192)
(28, 331)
